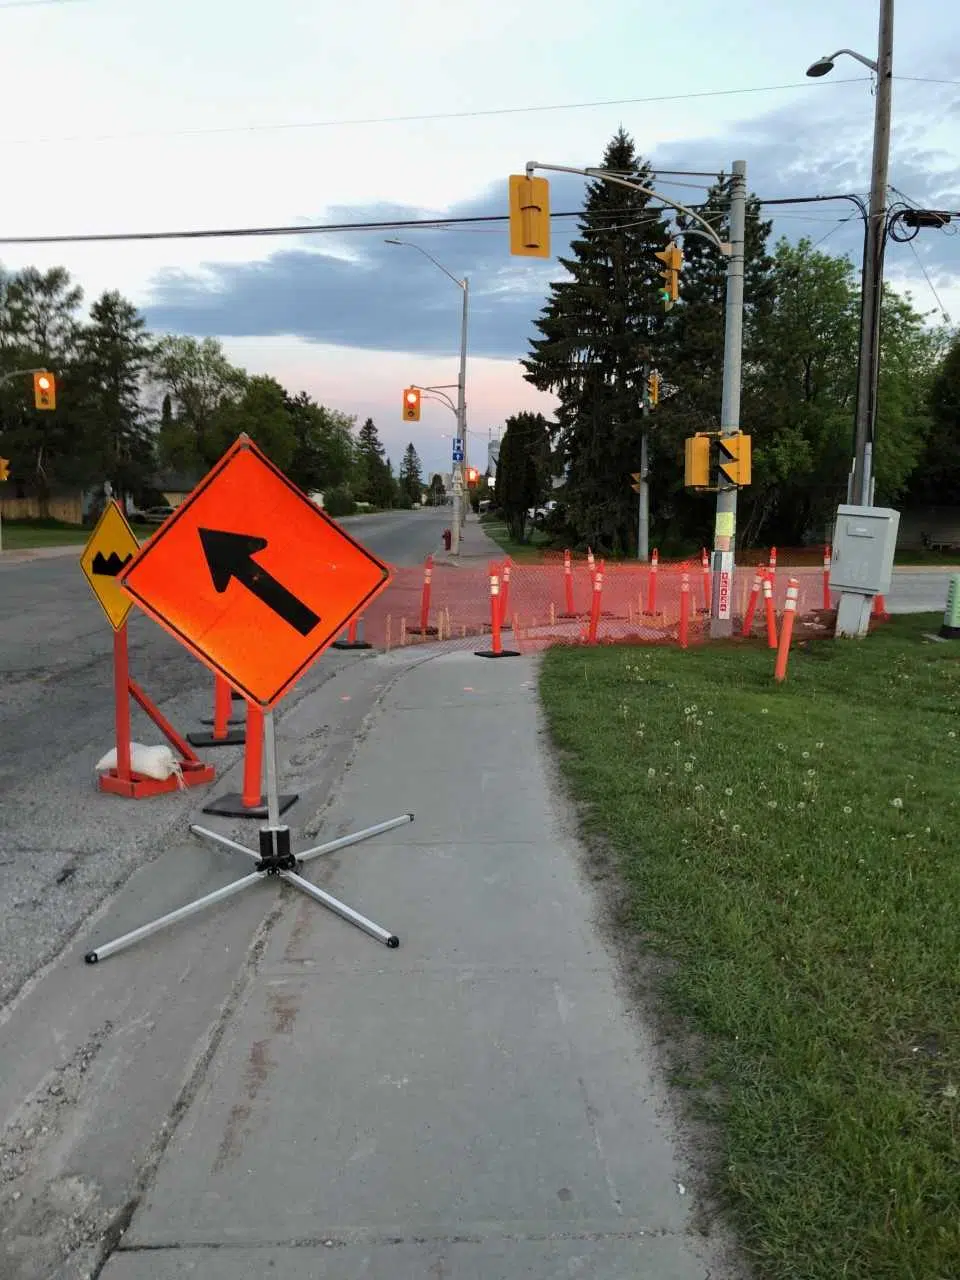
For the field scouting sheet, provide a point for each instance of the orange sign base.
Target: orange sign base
(123, 781)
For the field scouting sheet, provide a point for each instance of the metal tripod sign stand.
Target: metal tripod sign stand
(251, 577)
(275, 858)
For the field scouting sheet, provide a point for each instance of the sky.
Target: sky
(141, 116)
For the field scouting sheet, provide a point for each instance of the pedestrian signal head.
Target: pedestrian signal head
(411, 404)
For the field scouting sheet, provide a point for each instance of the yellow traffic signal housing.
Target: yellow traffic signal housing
(653, 389)
(735, 458)
(696, 468)
(529, 216)
(473, 475)
(4, 468)
(44, 390)
(411, 404)
(672, 258)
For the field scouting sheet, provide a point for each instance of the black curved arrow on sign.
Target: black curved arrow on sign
(230, 555)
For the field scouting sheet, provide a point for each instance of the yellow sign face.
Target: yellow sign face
(112, 545)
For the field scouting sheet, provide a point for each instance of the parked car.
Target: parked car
(156, 515)
(538, 514)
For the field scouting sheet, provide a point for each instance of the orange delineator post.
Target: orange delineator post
(707, 585)
(222, 706)
(591, 563)
(122, 780)
(425, 629)
(752, 604)
(684, 610)
(568, 584)
(786, 630)
(496, 643)
(652, 582)
(252, 795)
(880, 609)
(773, 560)
(504, 593)
(595, 605)
(827, 556)
(769, 609)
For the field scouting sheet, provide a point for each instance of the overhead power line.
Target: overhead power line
(327, 228)
(352, 122)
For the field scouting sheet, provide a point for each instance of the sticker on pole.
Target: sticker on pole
(111, 547)
(252, 577)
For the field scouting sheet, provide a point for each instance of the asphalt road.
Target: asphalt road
(56, 721)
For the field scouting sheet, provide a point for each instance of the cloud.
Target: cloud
(353, 290)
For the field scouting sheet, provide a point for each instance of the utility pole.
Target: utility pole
(872, 275)
(460, 516)
(860, 487)
(725, 528)
(643, 486)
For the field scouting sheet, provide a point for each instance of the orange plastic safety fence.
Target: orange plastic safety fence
(537, 615)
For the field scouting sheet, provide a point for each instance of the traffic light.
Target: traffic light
(672, 258)
(4, 468)
(411, 404)
(735, 458)
(653, 389)
(696, 469)
(44, 390)
(529, 216)
(472, 475)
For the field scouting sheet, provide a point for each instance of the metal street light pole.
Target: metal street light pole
(725, 527)
(459, 466)
(871, 288)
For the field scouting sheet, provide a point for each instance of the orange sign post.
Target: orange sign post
(256, 581)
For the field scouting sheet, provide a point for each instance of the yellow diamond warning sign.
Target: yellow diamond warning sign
(112, 545)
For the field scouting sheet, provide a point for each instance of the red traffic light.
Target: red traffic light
(411, 404)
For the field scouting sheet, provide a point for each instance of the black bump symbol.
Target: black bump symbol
(109, 566)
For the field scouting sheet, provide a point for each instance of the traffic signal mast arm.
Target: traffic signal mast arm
(606, 176)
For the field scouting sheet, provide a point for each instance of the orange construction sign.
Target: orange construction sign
(252, 577)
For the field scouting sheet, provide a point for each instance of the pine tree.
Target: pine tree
(375, 482)
(523, 469)
(411, 475)
(113, 360)
(598, 329)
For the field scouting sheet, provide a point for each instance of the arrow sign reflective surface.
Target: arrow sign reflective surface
(230, 555)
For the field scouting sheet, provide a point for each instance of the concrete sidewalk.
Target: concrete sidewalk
(477, 1104)
(476, 546)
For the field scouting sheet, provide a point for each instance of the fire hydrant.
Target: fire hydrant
(447, 539)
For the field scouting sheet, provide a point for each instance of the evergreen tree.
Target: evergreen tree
(599, 328)
(375, 482)
(437, 490)
(522, 469)
(324, 455)
(105, 386)
(411, 474)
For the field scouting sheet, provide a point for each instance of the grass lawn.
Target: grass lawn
(23, 535)
(520, 552)
(795, 854)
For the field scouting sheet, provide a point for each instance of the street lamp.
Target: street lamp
(871, 287)
(459, 507)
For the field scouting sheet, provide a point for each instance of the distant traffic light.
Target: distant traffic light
(4, 468)
(696, 469)
(44, 390)
(473, 475)
(411, 404)
(529, 216)
(672, 258)
(653, 389)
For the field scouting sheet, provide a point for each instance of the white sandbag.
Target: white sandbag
(150, 762)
